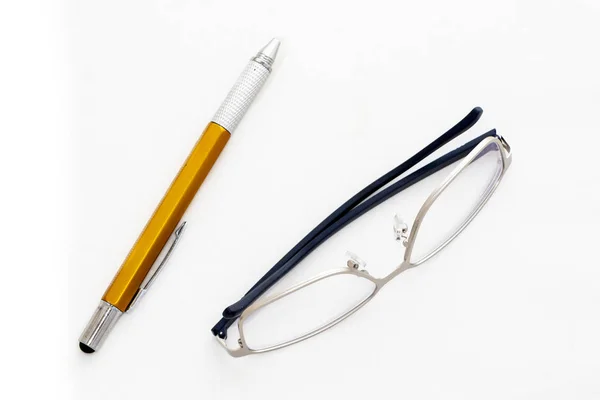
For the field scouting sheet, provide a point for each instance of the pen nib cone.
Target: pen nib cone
(270, 50)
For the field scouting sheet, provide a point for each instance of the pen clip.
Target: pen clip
(155, 270)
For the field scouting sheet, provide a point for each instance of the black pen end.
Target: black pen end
(85, 348)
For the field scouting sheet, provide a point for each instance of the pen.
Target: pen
(140, 268)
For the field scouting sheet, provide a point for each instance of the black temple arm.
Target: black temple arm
(465, 124)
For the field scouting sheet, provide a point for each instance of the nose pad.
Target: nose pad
(400, 230)
(355, 262)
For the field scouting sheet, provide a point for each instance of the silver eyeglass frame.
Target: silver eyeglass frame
(355, 268)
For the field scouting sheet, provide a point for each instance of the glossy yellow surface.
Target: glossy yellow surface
(166, 217)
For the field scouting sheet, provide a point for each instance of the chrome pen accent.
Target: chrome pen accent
(151, 277)
(107, 315)
(266, 56)
(100, 325)
(246, 88)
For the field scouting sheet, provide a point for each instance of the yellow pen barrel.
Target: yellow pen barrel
(167, 215)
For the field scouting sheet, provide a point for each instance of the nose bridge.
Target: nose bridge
(397, 271)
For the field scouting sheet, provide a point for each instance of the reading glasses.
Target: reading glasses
(269, 319)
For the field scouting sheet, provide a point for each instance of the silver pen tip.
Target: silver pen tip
(270, 50)
(103, 320)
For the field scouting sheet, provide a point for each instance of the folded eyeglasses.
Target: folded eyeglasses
(270, 321)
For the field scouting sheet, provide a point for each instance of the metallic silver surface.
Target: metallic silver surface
(352, 266)
(252, 79)
(266, 56)
(155, 270)
(100, 325)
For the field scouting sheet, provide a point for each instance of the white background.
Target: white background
(102, 101)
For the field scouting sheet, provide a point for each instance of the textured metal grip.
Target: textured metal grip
(241, 96)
